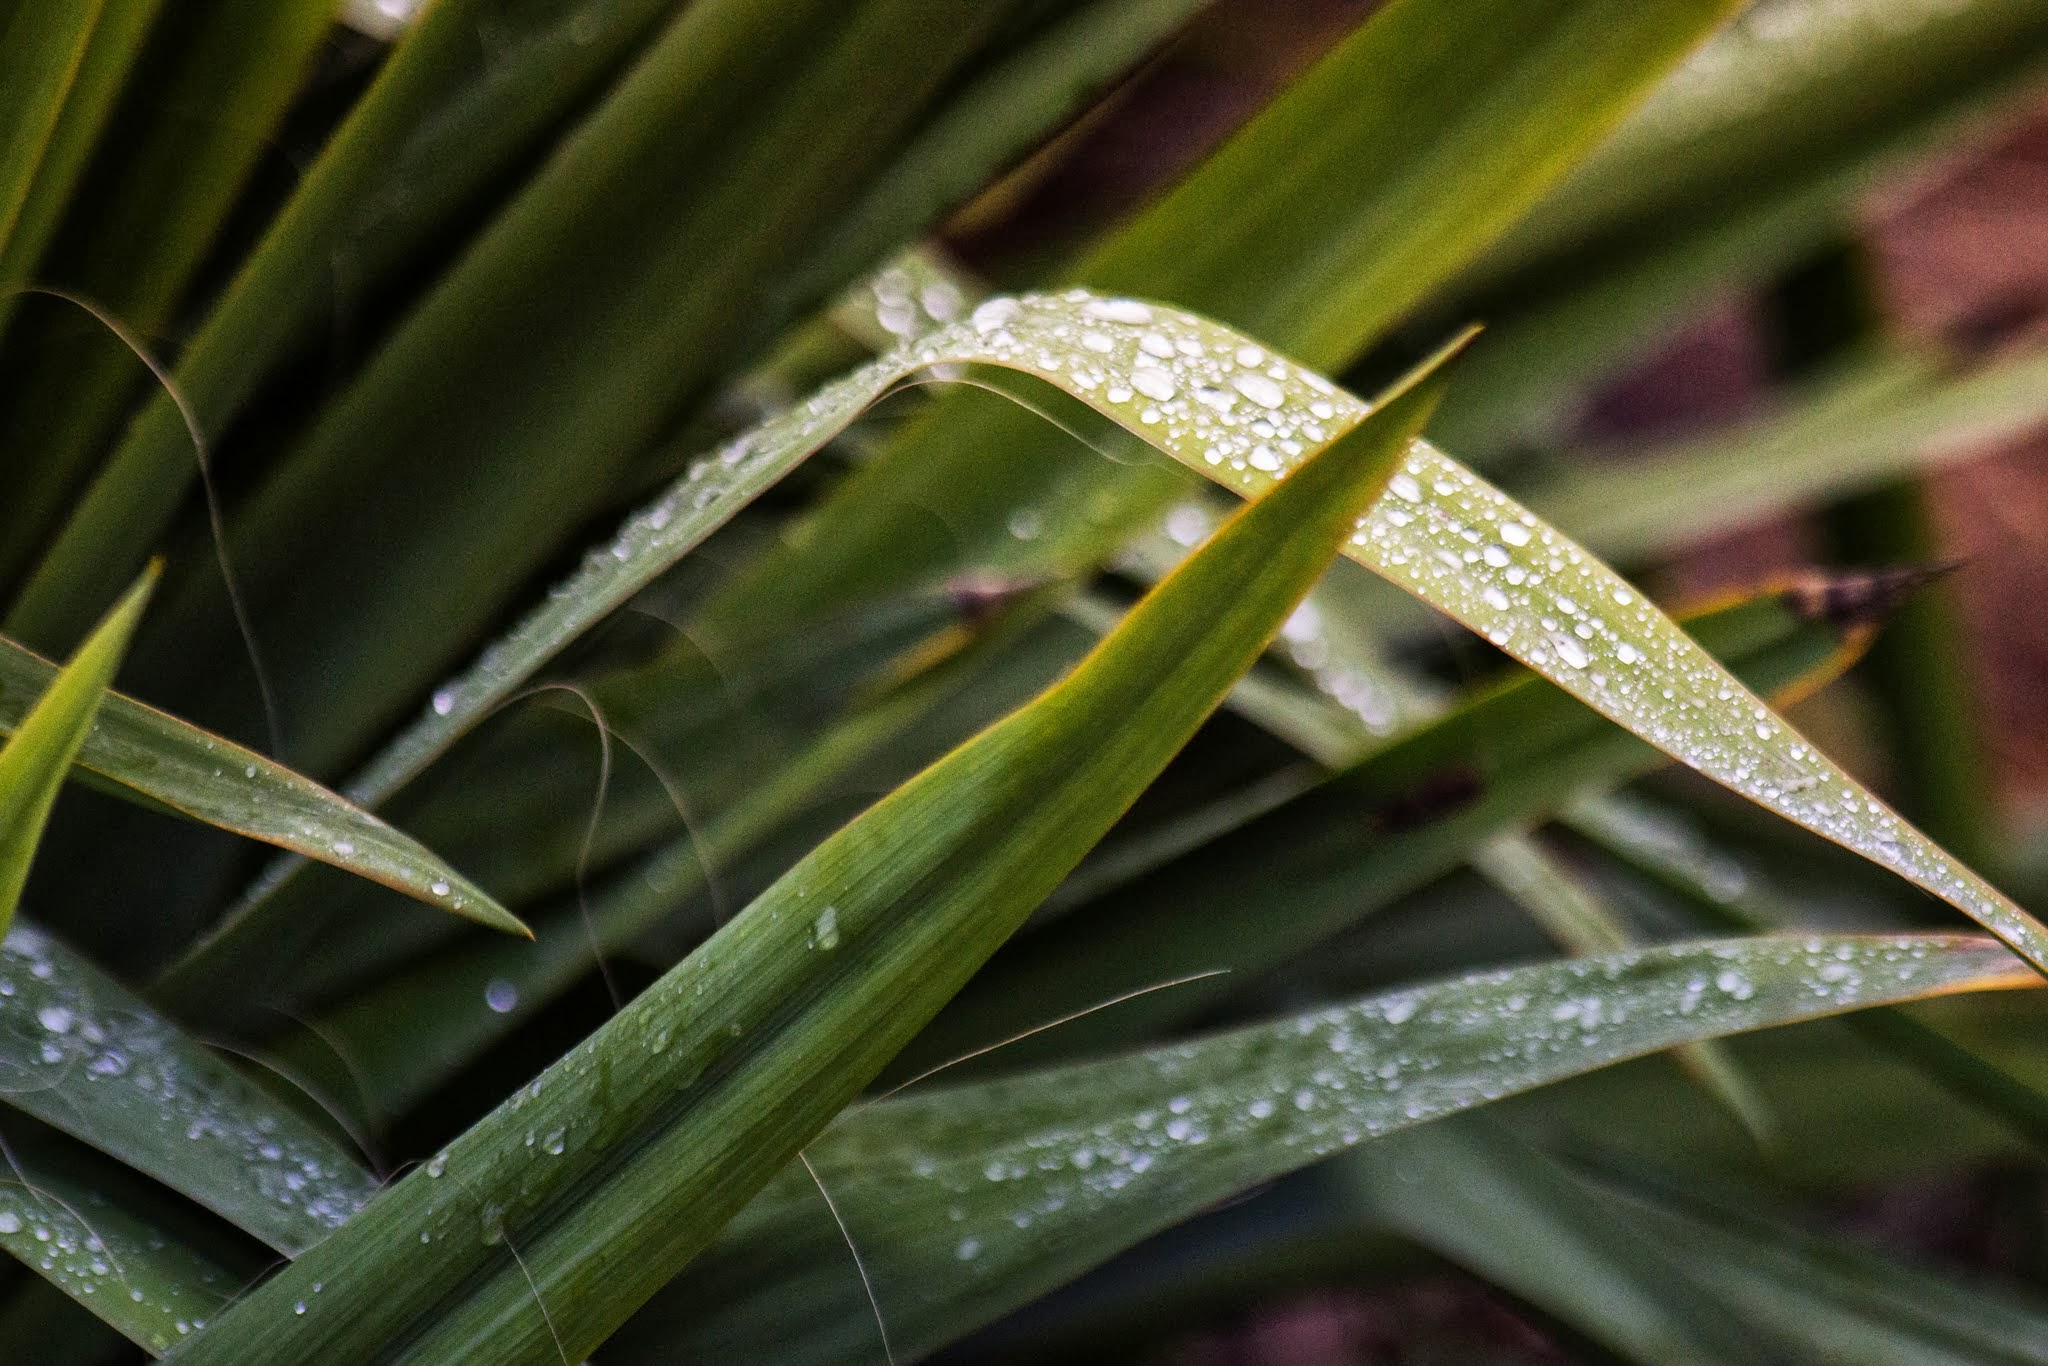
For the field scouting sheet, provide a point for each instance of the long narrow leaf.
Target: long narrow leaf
(1228, 408)
(147, 755)
(83, 1055)
(968, 1202)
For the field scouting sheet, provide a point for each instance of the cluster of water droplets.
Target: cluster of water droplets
(81, 1054)
(1155, 1137)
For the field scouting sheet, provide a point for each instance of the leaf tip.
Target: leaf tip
(1855, 599)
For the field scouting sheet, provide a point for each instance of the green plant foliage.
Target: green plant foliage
(1047, 817)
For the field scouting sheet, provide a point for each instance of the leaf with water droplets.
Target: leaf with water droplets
(39, 752)
(83, 1055)
(1228, 408)
(145, 755)
(113, 1244)
(968, 1202)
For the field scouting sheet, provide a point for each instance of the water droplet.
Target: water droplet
(1570, 652)
(56, 1019)
(995, 313)
(444, 701)
(1118, 311)
(968, 1250)
(10, 1222)
(825, 930)
(1259, 389)
(1404, 486)
(1514, 533)
(1187, 524)
(501, 995)
(1153, 383)
(439, 888)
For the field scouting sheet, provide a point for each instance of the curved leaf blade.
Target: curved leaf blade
(83, 1055)
(148, 755)
(90, 1239)
(1231, 410)
(1052, 1172)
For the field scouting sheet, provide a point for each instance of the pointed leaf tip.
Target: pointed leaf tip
(1862, 597)
(38, 755)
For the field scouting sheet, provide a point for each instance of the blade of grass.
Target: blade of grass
(1470, 1190)
(1052, 1172)
(39, 751)
(655, 1131)
(550, 356)
(1479, 1194)
(142, 753)
(1582, 922)
(85, 1056)
(1003, 115)
(1757, 150)
(1371, 181)
(1891, 415)
(92, 1234)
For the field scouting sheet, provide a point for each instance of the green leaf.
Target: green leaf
(1005, 113)
(1228, 408)
(94, 1236)
(41, 746)
(146, 755)
(1470, 1191)
(85, 1056)
(1052, 1172)
(556, 350)
(1828, 1295)
(1886, 416)
(1663, 1271)
(408, 1032)
(1583, 922)
(702, 1088)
